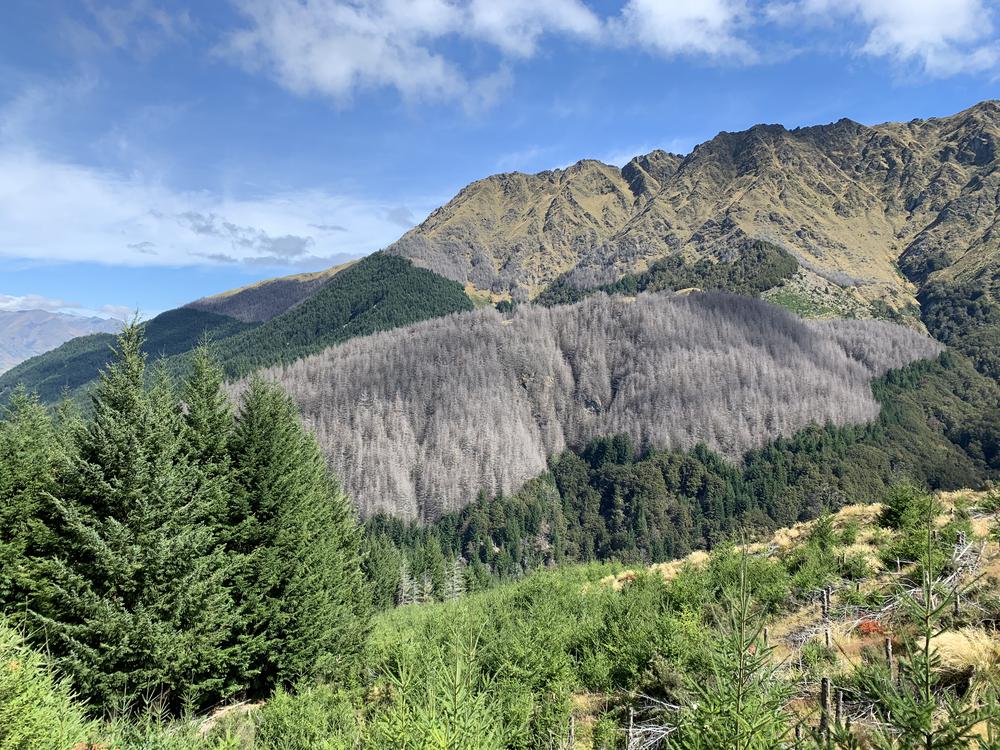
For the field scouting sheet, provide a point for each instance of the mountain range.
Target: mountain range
(895, 222)
(27, 333)
(884, 208)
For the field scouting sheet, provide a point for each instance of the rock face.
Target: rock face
(27, 333)
(855, 204)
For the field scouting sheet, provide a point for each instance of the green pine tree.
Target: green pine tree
(305, 603)
(137, 608)
(32, 461)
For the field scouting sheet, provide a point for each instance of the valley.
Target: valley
(572, 464)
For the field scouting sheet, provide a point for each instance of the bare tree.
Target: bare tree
(416, 421)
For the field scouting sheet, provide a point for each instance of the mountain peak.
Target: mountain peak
(848, 200)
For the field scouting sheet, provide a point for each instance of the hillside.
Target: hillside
(377, 293)
(420, 420)
(77, 362)
(612, 499)
(600, 655)
(266, 299)
(27, 333)
(881, 212)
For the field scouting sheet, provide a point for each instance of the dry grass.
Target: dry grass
(668, 570)
(304, 277)
(982, 528)
(973, 654)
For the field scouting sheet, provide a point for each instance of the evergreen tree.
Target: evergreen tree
(406, 593)
(382, 561)
(454, 585)
(32, 459)
(136, 606)
(305, 603)
(741, 702)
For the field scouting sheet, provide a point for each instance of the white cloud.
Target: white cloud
(515, 26)
(53, 210)
(942, 37)
(142, 28)
(9, 303)
(334, 47)
(691, 27)
(121, 312)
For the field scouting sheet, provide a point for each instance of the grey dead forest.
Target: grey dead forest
(417, 421)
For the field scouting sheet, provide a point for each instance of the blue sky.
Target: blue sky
(153, 152)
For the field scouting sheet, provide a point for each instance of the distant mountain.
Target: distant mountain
(28, 333)
(879, 212)
(268, 323)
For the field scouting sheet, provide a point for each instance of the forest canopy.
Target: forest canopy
(417, 421)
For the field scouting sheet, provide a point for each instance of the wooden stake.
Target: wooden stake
(826, 637)
(572, 731)
(958, 603)
(824, 706)
(767, 638)
(840, 706)
(888, 655)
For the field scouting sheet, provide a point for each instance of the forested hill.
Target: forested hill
(266, 299)
(418, 421)
(377, 293)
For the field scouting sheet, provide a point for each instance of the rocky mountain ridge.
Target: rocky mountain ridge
(878, 210)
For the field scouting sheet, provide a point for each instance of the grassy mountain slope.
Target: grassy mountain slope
(880, 211)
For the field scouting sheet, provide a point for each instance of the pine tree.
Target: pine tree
(381, 561)
(741, 703)
(32, 459)
(406, 593)
(136, 606)
(305, 603)
(454, 586)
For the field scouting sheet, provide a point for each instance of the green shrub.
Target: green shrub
(36, 707)
(445, 702)
(905, 505)
(606, 734)
(315, 717)
(849, 533)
